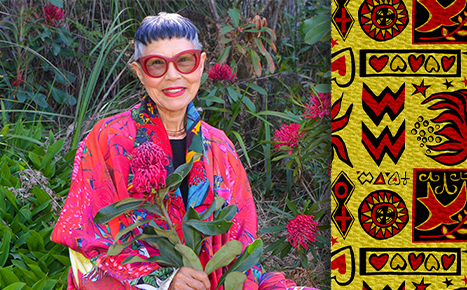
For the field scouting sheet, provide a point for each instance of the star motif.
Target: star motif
(421, 286)
(334, 42)
(421, 88)
(448, 282)
(465, 280)
(333, 241)
(465, 82)
(448, 84)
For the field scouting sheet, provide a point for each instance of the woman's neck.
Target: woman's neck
(175, 124)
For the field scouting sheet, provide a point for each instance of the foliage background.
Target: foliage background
(58, 79)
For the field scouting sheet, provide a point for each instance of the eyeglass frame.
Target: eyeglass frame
(144, 59)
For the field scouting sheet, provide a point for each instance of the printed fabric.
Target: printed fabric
(102, 176)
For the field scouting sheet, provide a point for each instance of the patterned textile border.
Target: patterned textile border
(399, 121)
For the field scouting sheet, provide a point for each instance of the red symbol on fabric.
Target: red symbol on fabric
(339, 66)
(416, 62)
(333, 42)
(384, 144)
(343, 20)
(339, 264)
(440, 15)
(420, 89)
(447, 261)
(378, 63)
(343, 218)
(440, 214)
(358, 171)
(394, 179)
(447, 62)
(380, 179)
(387, 102)
(378, 262)
(421, 286)
(333, 241)
(416, 261)
(465, 82)
(465, 280)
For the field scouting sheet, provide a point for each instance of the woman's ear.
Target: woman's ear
(202, 60)
(139, 71)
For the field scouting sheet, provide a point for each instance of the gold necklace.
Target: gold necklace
(176, 133)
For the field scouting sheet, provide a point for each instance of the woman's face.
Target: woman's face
(173, 91)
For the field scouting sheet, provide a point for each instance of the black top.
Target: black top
(179, 157)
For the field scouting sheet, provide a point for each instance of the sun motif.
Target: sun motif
(383, 19)
(383, 214)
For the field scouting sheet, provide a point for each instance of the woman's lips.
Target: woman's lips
(174, 91)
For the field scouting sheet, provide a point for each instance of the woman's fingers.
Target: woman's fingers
(188, 278)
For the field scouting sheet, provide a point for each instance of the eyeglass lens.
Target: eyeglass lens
(184, 63)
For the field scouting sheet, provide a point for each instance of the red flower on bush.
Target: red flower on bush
(148, 166)
(301, 231)
(53, 14)
(18, 80)
(318, 107)
(287, 135)
(220, 72)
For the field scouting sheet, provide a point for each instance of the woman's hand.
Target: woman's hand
(188, 278)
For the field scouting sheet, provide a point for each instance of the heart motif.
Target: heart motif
(378, 262)
(431, 64)
(431, 263)
(416, 261)
(397, 262)
(447, 62)
(416, 62)
(398, 64)
(339, 264)
(378, 63)
(447, 261)
(339, 65)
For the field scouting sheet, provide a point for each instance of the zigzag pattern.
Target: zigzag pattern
(388, 102)
(366, 287)
(385, 143)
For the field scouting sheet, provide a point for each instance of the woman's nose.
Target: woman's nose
(172, 72)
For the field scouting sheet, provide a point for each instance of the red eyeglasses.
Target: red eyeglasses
(156, 66)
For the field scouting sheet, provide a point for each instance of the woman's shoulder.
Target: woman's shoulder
(216, 135)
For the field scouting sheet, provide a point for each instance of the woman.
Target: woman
(169, 63)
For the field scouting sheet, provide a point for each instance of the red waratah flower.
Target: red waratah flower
(287, 135)
(53, 14)
(148, 166)
(220, 72)
(301, 231)
(318, 107)
(18, 80)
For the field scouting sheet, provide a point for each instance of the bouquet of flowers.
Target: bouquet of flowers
(151, 184)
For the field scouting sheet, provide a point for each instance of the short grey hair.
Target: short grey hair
(164, 26)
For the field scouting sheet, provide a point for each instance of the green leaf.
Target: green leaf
(274, 245)
(39, 285)
(36, 160)
(285, 251)
(273, 229)
(234, 281)
(226, 29)
(15, 286)
(292, 207)
(270, 61)
(314, 21)
(227, 213)
(242, 145)
(252, 254)
(115, 249)
(216, 205)
(225, 40)
(8, 276)
(260, 46)
(109, 212)
(35, 242)
(190, 258)
(258, 89)
(224, 256)
(211, 228)
(58, 3)
(167, 251)
(248, 104)
(224, 55)
(314, 34)
(191, 235)
(232, 94)
(235, 16)
(256, 61)
(52, 151)
(323, 88)
(5, 248)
